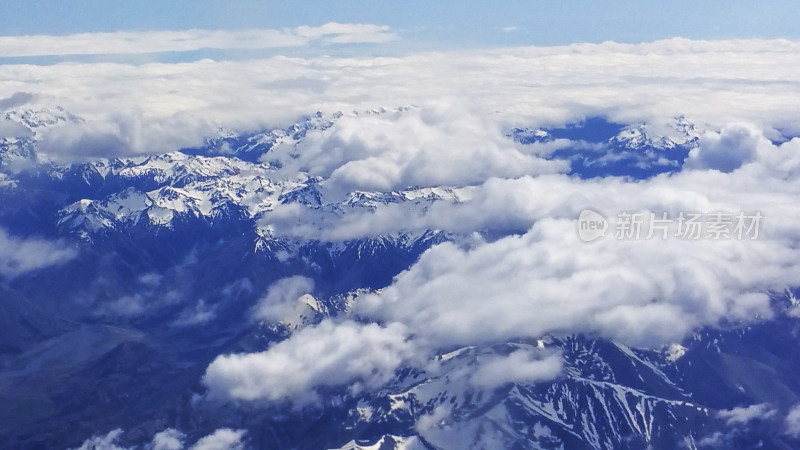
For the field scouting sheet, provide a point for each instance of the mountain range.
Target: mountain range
(168, 254)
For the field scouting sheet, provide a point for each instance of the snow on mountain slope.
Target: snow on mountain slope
(183, 186)
(680, 132)
(388, 442)
(42, 118)
(580, 407)
(186, 185)
(16, 153)
(211, 189)
(597, 147)
(6, 181)
(607, 397)
(252, 147)
(22, 130)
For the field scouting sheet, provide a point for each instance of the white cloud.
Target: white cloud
(169, 439)
(348, 33)
(726, 150)
(199, 314)
(125, 306)
(435, 419)
(792, 422)
(24, 255)
(122, 133)
(15, 100)
(328, 354)
(521, 366)
(438, 144)
(282, 298)
(515, 205)
(103, 442)
(744, 414)
(10, 128)
(221, 439)
(644, 292)
(178, 104)
(139, 42)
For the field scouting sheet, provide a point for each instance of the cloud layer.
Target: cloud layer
(140, 42)
(158, 107)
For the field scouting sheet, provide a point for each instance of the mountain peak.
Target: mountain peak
(35, 119)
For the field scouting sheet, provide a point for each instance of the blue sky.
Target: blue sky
(442, 24)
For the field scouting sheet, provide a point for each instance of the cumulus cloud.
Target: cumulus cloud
(521, 366)
(169, 439)
(328, 354)
(282, 298)
(644, 292)
(429, 146)
(138, 42)
(726, 150)
(20, 256)
(222, 439)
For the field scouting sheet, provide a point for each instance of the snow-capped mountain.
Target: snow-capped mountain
(679, 133)
(253, 146)
(22, 129)
(16, 153)
(170, 187)
(37, 119)
(601, 148)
